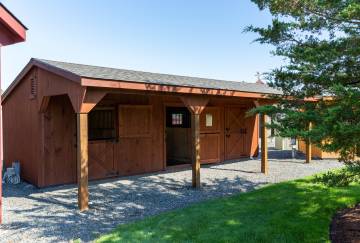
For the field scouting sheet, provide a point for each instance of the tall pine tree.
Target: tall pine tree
(320, 42)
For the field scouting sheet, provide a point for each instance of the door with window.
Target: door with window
(178, 136)
(235, 132)
(210, 135)
(102, 137)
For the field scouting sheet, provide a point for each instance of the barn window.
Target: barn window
(209, 120)
(177, 117)
(102, 124)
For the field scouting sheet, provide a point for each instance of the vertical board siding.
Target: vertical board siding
(50, 157)
(60, 149)
(22, 130)
(101, 160)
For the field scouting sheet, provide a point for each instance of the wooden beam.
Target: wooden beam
(264, 148)
(118, 84)
(195, 122)
(44, 103)
(82, 160)
(92, 98)
(308, 146)
(196, 104)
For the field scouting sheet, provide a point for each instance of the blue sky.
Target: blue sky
(201, 38)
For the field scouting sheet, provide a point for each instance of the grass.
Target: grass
(294, 211)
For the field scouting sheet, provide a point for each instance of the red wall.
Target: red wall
(22, 129)
(45, 143)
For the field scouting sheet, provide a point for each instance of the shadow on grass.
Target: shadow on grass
(296, 211)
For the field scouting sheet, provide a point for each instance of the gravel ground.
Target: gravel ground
(44, 215)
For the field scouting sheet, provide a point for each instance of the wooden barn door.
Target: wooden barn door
(235, 132)
(59, 141)
(210, 135)
(101, 159)
(134, 152)
(102, 138)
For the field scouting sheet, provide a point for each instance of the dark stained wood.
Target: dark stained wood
(141, 145)
(146, 87)
(59, 152)
(196, 104)
(136, 150)
(22, 131)
(135, 121)
(210, 136)
(210, 148)
(235, 132)
(308, 147)
(82, 160)
(264, 146)
(44, 103)
(195, 118)
(101, 160)
(178, 147)
(91, 99)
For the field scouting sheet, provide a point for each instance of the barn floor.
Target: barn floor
(51, 214)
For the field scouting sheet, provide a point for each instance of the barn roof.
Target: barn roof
(13, 31)
(78, 71)
(7, 10)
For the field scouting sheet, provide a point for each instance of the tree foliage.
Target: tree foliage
(320, 43)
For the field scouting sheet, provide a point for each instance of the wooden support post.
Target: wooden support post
(195, 121)
(196, 104)
(264, 148)
(308, 147)
(82, 160)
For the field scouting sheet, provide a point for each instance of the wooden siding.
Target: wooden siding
(22, 128)
(317, 152)
(50, 157)
(210, 136)
(60, 141)
(101, 159)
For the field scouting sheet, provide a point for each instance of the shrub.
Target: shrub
(342, 177)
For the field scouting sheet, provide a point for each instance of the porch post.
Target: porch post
(308, 146)
(264, 148)
(195, 120)
(82, 160)
(195, 104)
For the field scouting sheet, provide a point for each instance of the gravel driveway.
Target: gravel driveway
(43, 215)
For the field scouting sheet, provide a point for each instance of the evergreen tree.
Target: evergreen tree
(320, 43)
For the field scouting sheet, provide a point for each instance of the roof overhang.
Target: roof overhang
(128, 85)
(150, 87)
(11, 29)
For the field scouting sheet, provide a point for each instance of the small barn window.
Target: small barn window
(209, 120)
(176, 119)
(102, 124)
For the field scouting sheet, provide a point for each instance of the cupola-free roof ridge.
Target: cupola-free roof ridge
(76, 72)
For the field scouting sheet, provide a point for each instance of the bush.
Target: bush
(342, 177)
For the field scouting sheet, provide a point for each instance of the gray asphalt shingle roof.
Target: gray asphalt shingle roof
(106, 73)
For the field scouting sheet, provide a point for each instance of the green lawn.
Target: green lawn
(295, 211)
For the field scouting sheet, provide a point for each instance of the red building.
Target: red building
(68, 123)
(11, 31)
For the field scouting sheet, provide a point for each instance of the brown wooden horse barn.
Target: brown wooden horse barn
(68, 123)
